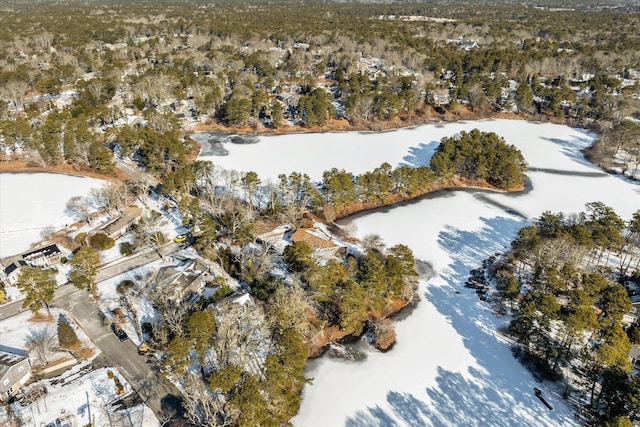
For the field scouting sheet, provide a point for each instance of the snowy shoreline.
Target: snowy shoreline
(31, 202)
(448, 366)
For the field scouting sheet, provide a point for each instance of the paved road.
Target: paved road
(135, 173)
(112, 270)
(136, 368)
(124, 355)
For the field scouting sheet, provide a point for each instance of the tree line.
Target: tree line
(567, 297)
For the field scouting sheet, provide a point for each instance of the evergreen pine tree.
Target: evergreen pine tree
(66, 335)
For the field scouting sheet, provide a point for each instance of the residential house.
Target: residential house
(441, 96)
(182, 279)
(289, 100)
(15, 371)
(324, 247)
(632, 316)
(275, 238)
(10, 274)
(303, 46)
(43, 257)
(121, 224)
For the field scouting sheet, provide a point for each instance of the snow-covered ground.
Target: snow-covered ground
(33, 202)
(110, 299)
(77, 395)
(16, 330)
(78, 398)
(448, 367)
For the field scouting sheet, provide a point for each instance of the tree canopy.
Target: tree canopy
(480, 156)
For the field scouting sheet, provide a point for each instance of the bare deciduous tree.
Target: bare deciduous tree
(15, 90)
(241, 335)
(147, 234)
(201, 406)
(41, 343)
(78, 209)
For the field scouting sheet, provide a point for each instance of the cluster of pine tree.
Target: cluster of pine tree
(568, 302)
(480, 156)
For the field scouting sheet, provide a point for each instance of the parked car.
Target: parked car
(117, 330)
(181, 238)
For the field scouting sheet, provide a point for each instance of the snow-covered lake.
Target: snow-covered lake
(32, 202)
(448, 368)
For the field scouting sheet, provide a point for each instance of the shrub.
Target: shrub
(124, 286)
(80, 238)
(126, 248)
(222, 292)
(138, 103)
(66, 335)
(384, 335)
(101, 242)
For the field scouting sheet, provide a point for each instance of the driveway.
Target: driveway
(135, 261)
(123, 355)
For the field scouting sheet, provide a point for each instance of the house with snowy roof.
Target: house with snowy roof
(43, 257)
(324, 247)
(15, 371)
(182, 279)
(119, 225)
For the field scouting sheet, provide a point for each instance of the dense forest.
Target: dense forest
(255, 68)
(567, 282)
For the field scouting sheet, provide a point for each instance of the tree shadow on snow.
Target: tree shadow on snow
(573, 149)
(420, 155)
(496, 390)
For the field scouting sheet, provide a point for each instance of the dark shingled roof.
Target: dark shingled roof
(14, 266)
(47, 251)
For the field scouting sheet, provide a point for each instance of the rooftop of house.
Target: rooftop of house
(46, 251)
(128, 215)
(307, 236)
(10, 356)
(14, 266)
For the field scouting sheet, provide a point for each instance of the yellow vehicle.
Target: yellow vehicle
(181, 238)
(143, 348)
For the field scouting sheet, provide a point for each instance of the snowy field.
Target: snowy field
(448, 368)
(33, 202)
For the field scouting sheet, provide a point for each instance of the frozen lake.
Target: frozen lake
(448, 368)
(32, 202)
